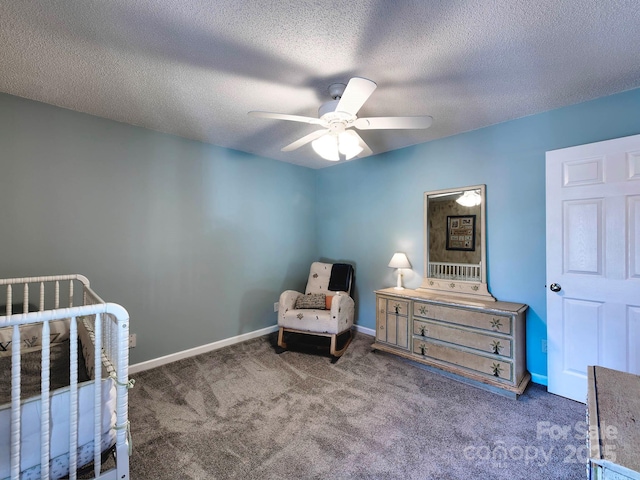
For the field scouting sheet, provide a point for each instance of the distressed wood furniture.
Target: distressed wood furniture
(481, 342)
(613, 408)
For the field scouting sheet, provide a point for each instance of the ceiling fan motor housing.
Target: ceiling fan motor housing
(337, 121)
(336, 90)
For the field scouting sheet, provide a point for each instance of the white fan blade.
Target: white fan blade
(304, 140)
(366, 151)
(357, 92)
(291, 118)
(391, 123)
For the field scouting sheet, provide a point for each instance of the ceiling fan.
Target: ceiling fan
(335, 140)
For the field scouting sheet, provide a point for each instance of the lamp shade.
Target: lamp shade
(399, 260)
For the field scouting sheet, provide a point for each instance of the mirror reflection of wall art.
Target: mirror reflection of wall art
(461, 232)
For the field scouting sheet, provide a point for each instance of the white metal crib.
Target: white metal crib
(107, 324)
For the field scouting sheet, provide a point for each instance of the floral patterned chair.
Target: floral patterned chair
(325, 309)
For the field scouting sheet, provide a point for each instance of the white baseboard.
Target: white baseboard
(157, 362)
(539, 379)
(174, 357)
(365, 330)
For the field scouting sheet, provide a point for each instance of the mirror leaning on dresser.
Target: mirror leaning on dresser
(452, 323)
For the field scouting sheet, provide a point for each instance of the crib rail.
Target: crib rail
(45, 293)
(110, 325)
(455, 271)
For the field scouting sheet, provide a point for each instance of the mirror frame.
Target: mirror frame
(458, 288)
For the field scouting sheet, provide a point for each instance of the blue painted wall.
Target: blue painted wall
(196, 241)
(370, 208)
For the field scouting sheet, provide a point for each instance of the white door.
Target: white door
(593, 262)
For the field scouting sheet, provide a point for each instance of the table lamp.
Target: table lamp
(399, 261)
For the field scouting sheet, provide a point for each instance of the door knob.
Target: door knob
(555, 287)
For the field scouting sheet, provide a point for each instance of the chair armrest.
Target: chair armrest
(343, 309)
(287, 301)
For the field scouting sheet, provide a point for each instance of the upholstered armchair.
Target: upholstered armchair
(325, 309)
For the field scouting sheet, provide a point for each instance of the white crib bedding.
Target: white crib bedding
(31, 410)
(59, 436)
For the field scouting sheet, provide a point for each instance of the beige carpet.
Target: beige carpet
(245, 412)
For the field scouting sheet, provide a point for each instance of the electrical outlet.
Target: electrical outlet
(275, 307)
(544, 345)
(132, 340)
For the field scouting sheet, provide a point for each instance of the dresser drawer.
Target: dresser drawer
(479, 341)
(393, 306)
(484, 321)
(489, 367)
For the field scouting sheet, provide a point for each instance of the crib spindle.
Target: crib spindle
(97, 419)
(25, 299)
(57, 295)
(122, 403)
(41, 306)
(73, 399)
(108, 339)
(70, 293)
(44, 400)
(15, 402)
(9, 300)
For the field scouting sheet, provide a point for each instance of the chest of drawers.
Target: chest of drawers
(483, 343)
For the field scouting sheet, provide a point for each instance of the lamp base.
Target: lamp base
(399, 285)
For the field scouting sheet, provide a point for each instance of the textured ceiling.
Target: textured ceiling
(194, 68)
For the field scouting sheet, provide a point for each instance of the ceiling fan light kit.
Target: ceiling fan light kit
(335, 142)
(331, 146)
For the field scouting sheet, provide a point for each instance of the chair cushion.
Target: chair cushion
(319, 275)
(312, 300)
(314, 320)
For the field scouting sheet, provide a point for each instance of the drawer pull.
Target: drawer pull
(423, 349)
(382, 311)
(397, 307)
(381, 327)
(423, 331)
(497, 369)
(423, 310)
(496, 347)
(496, 323)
